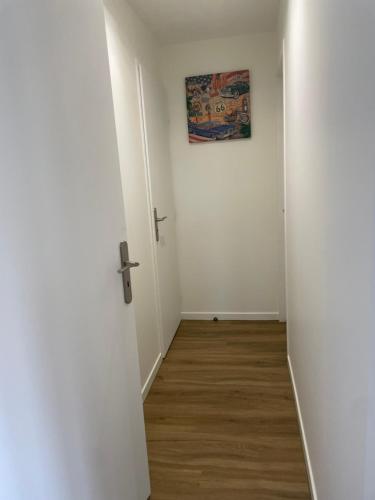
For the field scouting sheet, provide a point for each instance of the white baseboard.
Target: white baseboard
(248, 316)
(303, 435)
(151, 377)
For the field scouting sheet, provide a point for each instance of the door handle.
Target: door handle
(156, 222)
(126, 265)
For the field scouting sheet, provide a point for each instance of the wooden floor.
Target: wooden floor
(220, 417)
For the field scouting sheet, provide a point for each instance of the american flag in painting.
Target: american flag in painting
(218, 106)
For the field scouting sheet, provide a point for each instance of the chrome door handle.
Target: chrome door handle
(128, 265)
(156, 222)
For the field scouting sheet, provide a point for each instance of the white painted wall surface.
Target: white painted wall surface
(330, 109)
(226, 193)
(71, 420)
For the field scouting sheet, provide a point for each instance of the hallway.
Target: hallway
(220, 417)
(187, 242)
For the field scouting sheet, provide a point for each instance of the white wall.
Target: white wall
(129, 40)
(330, 109)
(226, 193)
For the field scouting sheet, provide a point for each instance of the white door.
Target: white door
(158, 163)
(136, 193)
(71, 422)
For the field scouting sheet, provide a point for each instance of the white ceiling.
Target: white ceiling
(175, 21)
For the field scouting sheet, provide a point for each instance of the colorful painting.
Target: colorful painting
(218, 106)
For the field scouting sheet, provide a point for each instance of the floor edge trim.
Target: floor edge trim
(310, 473)
(154, 370)
(251, 316)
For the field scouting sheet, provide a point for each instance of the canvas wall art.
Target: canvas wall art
(218, 106)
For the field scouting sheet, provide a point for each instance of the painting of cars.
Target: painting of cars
(235, 89)
(218, 106)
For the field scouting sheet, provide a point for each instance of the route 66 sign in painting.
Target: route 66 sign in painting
(218, 106)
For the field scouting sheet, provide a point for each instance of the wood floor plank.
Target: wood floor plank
(221, 421)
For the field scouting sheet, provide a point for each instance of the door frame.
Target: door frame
(283, 302)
